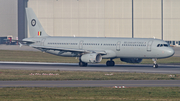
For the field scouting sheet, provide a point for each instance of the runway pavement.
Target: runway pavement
(93, 83)
(140, 68)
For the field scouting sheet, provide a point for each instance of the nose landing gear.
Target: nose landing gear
(155, 65)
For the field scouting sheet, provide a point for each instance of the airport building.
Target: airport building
(95, 18)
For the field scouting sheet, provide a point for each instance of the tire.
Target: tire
(110, 63)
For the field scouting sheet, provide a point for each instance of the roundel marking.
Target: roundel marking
(33, 22)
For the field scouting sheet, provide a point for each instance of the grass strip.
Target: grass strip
(79, 75)
(31, 56)
(90, 93)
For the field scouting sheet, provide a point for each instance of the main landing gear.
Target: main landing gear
(155, 65)
(110, 63)
(82, 64)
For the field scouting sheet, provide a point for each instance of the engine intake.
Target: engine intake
(131, 60)
(91, 58)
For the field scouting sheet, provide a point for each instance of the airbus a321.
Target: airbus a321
(94, 49)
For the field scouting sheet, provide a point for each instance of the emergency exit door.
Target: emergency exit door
(81, 44)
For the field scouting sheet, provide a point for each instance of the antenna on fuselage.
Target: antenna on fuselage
(154, 37)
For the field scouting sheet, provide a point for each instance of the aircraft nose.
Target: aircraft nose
(170, 52)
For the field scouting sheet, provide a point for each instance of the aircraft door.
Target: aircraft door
(118, 46)
(149, 45)
(81, 44)
(42, 41)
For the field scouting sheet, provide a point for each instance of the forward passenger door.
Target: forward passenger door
(149, 45)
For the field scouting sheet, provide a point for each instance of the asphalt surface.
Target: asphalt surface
(93, 83)
(140, 68)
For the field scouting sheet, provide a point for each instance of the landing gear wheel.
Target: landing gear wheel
(110, 63)
(82, 64)
(155, 65)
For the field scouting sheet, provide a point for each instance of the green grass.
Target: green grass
(90, 94)
(79, 75)
(30, 56)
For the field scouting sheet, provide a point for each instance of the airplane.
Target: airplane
(94, 49)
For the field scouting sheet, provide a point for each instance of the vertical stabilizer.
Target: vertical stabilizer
(35, 27)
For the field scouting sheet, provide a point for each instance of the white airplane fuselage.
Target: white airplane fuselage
(113, 47)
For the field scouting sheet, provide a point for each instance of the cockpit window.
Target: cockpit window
(162, 45)
(165, 45)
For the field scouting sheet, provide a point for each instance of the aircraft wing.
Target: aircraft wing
(43, 48)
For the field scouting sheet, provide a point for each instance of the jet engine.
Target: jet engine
(131, 60)
(91, 58)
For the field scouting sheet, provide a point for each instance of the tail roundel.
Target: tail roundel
(35, 27)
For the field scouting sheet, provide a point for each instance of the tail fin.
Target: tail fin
(35, 28)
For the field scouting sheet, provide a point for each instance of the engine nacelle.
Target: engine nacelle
(131, 60)
(91, 58)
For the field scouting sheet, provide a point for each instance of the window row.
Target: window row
(62, 43)
(81, 43)
(133, 44)
(159, 45)
(99, 44)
